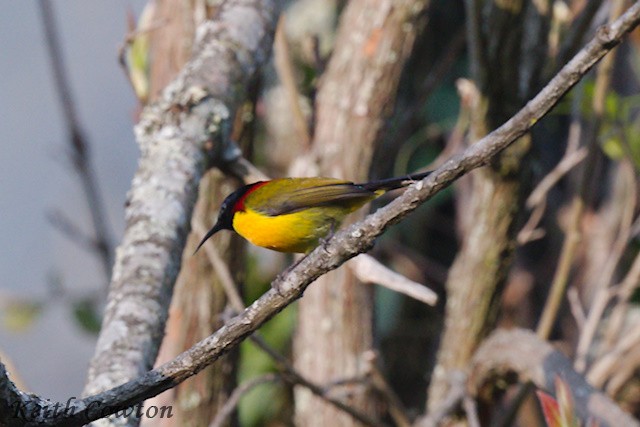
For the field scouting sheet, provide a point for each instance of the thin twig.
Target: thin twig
(284, 67)
(451, 402)
(629, 284)
(232, 402)
(601, 300)
(77, 141)
(571, 159)
(605, 293)
(370, 270)
(576, 307)
(538, 197)
(471, 410)
(345, 382)
(70, 230)
(442, 66)
(627, 370)
(530, 231)
(628, 207)
(603, 367)
(561, 276)
(577, 31)
(293, 377)
(602, 84)
(396, 409)
(221, 269)
(574, 233)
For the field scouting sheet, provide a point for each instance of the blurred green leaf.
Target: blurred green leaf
(612, 105)
(20, 315)
(612, 147)
(138, 54)
(86, 315)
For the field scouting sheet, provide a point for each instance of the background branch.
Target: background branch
(488, 212)
(354, 100)
(79, 148)
(178, 136)
(155, 256)
(537, 361)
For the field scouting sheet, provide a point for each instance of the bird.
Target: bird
(294, 215)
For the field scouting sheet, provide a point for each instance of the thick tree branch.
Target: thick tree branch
(290, 286)
(178, 134)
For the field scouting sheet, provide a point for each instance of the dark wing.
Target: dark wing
(339, 195)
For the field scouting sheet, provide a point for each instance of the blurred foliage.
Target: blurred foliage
(19, 315)
(87, 315)
(137, 52)
(620, 128)
(620, 133)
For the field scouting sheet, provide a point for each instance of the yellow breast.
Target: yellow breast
(296, 232)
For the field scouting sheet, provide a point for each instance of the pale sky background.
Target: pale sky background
(53, 354)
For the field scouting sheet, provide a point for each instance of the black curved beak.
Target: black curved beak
(210, 233)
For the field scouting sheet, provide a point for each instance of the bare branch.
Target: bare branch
(290, 286)
(455, 395)
(624, 292)
(575, 305)
(179, 136)
(604, 367)
(231, 404)
(222, 270)
(79, 146)
(370, 270)
(538, 197)
(471, 410)
(396, 409)
(574, 232)
(291, 375)
(286, 73)
(571, 159)
(70, 230)
(578, 30)
(623, 206)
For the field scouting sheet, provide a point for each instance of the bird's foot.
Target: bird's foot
(324, 241)
(276, 285)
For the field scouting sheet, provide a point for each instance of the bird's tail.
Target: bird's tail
(393, 183)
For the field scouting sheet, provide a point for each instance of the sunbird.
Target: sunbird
(295, 214)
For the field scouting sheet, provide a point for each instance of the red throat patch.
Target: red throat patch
(239, 205)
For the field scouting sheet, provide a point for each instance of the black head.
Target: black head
(232, 204)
